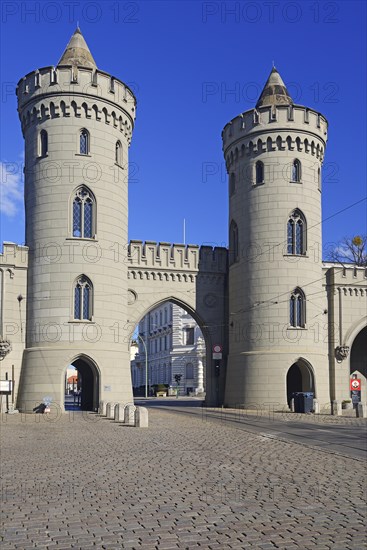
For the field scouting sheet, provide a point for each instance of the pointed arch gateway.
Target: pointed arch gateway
(170, 345)
(300, 378)
(358, 362)
(200, 292)
(88, 384)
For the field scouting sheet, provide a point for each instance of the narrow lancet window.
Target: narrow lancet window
(83, 299)
(296, 233)
(259, 172)
(296, 171)
(118, 153)
(84, 214)
(43, 150)
(297, 309)
(84, 142)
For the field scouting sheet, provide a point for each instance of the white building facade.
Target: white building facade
(175, 346)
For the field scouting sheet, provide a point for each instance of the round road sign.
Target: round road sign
(217, 348)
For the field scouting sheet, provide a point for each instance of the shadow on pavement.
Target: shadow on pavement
(168, 402)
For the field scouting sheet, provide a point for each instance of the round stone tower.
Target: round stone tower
(277, 315)
(77, 123)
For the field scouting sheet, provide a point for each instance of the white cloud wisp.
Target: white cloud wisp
(11, 188)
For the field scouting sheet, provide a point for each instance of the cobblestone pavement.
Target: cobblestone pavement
(347, 419)
(82, 481)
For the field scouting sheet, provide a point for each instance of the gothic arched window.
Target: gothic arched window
(296, 233)
(259, 169)
(233, 242)
(296, 171)
(297, 309)
(83, 299)
(84, 214)
(84, 142)
(118, 153)
(43, 144)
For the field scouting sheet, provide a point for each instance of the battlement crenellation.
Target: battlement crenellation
(75, 91)
(14, 255)
(273, 119)
(173, 256)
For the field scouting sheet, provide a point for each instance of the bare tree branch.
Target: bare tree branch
(351, 250)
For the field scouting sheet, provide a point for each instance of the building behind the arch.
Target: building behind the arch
(283, 319)
(174, 345)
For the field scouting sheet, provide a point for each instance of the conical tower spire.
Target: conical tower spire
(274, 91)
(77, 52)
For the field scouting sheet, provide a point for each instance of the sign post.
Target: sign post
(217, 351)
(355, 390)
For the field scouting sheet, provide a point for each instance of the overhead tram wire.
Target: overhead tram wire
(274, 246)
(316, 224)
(271, 301)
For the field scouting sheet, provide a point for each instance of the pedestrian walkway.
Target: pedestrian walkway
(80, 481)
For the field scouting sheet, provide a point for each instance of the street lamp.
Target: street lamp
(146, 365)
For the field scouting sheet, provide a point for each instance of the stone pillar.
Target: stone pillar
(336, 408)
(316, 406)
(110, 409)
(102, 408)
(120, 412)
(141, 417)
(361, 410)
(129, 416)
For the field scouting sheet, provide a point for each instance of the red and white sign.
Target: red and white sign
(217, 351)
(217, 348)
(355, 384)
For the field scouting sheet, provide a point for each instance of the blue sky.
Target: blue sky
(193, 66)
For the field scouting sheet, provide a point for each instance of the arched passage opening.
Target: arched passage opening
(358, 361)
(358, 355)
(300, 378)
(82, 385)
(168, 351)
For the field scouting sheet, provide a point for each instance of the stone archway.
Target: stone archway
(88, 377)
(358, 360)
(195, 279)
(137, 316)
(171, 341)
(358, 354)
(300, 378)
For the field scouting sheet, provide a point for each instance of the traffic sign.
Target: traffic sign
(355, 384)
(217, 348)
